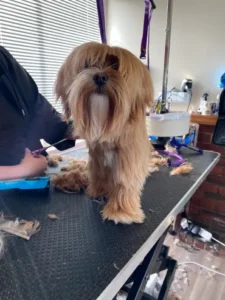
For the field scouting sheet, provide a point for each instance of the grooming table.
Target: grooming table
(80, 257)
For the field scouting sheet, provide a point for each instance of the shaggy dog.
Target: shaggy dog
(106, 91)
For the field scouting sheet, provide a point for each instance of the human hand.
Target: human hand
(33, 166)
(29, 167)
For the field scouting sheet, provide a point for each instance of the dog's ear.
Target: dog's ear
(148, 91)
(61, 91)
(144, 88)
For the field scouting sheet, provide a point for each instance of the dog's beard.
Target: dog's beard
(99, 113)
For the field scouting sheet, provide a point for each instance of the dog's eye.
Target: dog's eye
(112, 61)
(115, 66)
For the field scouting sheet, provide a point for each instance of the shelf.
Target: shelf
(204, 120)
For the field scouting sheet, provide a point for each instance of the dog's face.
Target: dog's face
(103, 88)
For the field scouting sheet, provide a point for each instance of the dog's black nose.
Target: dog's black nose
(100, 79)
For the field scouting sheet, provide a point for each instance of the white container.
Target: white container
(169, 125)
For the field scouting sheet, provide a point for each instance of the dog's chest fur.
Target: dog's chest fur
(109, 158)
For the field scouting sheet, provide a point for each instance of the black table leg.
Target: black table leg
(168, 279)
(155, 261)
(146, 268)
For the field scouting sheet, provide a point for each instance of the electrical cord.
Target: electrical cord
(201, 232)
(204, 267)
(183, 240)
(168, 94)
(219, 242)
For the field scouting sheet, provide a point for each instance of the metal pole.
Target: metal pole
(166, 55)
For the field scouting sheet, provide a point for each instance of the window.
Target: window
(41, 33)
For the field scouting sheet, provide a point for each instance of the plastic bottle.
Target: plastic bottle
(204, 107)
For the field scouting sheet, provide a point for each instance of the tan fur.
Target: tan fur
(75, 164)
(118, 143)
(159, 161)
(53, 160)
(74, 177)
(185, 168)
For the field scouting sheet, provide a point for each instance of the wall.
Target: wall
(197, 42)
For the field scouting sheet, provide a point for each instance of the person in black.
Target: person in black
(25, 118)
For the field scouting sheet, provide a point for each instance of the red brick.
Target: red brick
(195, 201)
(218, 170)
(222, 162)
(209, 187)
(206, 129)
(222, 190)
(199, 193)
(215, 196)
(216, 179)
(219, 206)
(208, 203)
(193, 209)
(206, 218)
(219, 222)
(205, 138)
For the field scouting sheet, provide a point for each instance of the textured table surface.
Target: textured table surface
(78, 256)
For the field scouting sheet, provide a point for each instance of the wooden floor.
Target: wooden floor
(193, 283)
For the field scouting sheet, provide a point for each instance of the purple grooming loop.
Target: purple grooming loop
(146, 30)
(101, 20)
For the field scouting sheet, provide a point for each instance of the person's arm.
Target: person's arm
(15, 161)
(48, 125)
(29, 167)
(57, 128)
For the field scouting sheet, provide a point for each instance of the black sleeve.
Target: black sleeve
(12, 146)
(48, 125)
(24, 91)
(12, 133)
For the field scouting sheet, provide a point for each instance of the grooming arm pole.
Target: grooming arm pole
(166, 55)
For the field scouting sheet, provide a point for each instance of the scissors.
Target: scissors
(39, 151)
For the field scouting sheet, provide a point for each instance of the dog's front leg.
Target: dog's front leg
(97, 179)
(124, 206)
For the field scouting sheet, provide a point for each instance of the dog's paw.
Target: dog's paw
(120, 216)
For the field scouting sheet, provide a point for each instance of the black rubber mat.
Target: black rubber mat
(77, 256)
